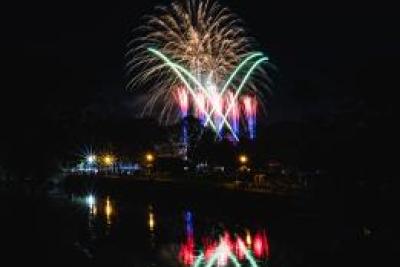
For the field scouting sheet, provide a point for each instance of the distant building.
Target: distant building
(171, 150)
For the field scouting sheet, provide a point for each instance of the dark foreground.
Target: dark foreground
(63, 230)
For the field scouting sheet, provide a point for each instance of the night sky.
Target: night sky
(65, 59)
(73, 53)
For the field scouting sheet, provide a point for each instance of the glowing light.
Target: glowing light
(243, 83)
(199, 259)
(90, 200)
(205, 52)
(233, 259)
(247, 254)
(214, 257)
(266, 244)
(223, 254)
(243, 159)
(186, 252)
(236, 71)
(149, 157)
(250, 108)
(220, 253)
(177, 69)
(209, 248)
(238, 250)
(201, 108)
(91, 159)
(93, 210)
(183, 100)
(225, 251)
(217, 103)
(108, 210)
(151, 221)
(108, 160)
(187, 249)
(248, 238)
(209, 91)
(203, 36)
(258, 246)
(235, 113)
(189, 223)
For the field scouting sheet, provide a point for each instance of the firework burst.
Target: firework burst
(202, 47)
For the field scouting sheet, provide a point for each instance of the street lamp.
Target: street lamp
(149, 158)
(91, 159)
(243, 168)
(108, 160)
(243, 159)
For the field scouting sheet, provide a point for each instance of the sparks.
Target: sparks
(197, 58)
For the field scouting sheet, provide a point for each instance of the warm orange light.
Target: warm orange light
(149, 157)
(108, 160)
(243, 159)
(248, 238)
(151, 221)
(108, 208)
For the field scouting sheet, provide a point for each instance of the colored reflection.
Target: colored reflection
(186, 252)
(238, 251)
(187, 249)
(258, 246)
(189, 223)
(227, 250)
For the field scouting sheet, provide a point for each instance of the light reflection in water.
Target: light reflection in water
(248, 238)
(227, 249)
(91, 202)
(186, 253)
(108, 211)
(100, 210)
(211, 248)
(151, 225)
(151, 221)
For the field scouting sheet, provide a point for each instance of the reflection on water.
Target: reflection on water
(151, 224)
(187, 249)
(151, 221)
(91, 202)
(225, 249)
(101, 213)
(248, 238)
(104, 208)
(185, 239)
(108, 211)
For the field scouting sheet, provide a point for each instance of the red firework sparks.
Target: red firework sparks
(183, 100)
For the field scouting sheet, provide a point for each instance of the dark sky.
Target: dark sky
(67, 57)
